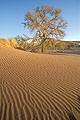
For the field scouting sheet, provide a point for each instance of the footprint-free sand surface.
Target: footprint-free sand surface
(39, 86)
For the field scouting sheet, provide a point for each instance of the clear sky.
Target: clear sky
(12, 13)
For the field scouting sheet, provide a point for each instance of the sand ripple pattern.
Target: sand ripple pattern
(38, 86)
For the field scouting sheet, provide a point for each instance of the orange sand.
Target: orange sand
(38, 86)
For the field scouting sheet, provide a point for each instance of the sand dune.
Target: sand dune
(39, 86)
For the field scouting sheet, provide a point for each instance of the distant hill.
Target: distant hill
(76, 43)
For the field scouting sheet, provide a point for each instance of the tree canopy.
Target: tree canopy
(47, 23)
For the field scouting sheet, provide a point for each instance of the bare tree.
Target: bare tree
(47, 23)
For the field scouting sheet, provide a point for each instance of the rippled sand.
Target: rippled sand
(39, 86)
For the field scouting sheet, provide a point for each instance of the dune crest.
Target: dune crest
(39, 86)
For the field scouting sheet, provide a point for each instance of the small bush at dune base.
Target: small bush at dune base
(13, 42)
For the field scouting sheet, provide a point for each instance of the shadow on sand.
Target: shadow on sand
(71, 116)
(79, 98)
(51, 52)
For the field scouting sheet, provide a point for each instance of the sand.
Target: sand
(39, 86)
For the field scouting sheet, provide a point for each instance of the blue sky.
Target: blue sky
(12, 14)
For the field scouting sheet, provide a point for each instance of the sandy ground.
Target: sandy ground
(39, 86)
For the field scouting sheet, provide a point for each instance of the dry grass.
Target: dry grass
(39, 86)
(13, 42)
(4, 42)
(8, 43)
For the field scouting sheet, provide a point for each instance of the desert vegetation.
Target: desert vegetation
(24, 43)
(37, 86)
(9, 43)
(47, 23)
(49, 30)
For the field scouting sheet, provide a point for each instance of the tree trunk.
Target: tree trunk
(42, 44)
(42, 47)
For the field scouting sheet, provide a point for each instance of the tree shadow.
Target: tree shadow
(79, 98)
(20, 48)
(71, 116)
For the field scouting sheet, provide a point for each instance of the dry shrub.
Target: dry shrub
(4, 42)
(13, 42)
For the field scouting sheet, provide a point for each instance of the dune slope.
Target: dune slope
(39, 86)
